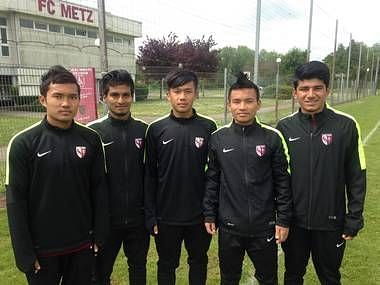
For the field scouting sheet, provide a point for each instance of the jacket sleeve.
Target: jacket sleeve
(150, 180)
(281, 182)
(16, 184)
(99, 194)
(211, 197)
(355, 172)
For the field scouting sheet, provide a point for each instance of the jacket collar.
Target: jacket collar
(183, 120)
(118, 122)
(244, 129)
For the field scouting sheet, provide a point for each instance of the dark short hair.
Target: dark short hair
(242, 82)
(181, 77)
(57, 74)
(114, 78)
(312, 70)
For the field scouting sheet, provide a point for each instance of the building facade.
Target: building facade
(42, 33)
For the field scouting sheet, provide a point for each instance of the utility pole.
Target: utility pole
(309, 37)
(102, 36)
(358, 72)
(257, 43)
(349, 63)
(376, 76)
(333, 65)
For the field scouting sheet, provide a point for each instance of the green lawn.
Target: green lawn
(360, 265)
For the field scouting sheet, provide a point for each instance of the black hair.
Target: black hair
(312, 70)
(57, 74)
(114, 78)
(242, 82)
(181, 77)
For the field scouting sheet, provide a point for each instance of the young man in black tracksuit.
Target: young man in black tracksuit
(328, 178)
(247, 190)
(176, 155)
(123, 139)
(56, 189)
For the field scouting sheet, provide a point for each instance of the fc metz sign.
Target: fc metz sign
(87, 106)
(66, 10)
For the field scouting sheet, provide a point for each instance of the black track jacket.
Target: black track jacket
(327, 165)
(56, 191)
(247, 188)
(123, 142)
(176, 156)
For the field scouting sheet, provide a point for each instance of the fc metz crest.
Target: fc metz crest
(199, 142)
(139, 143)
(327, 139)
(80, 151)
(260, 149)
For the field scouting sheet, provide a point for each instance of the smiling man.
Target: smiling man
(176, 156)
(56, 189)
(247, 189)
(328, 178)
(123, 138)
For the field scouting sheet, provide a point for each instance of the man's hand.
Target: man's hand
(37, 266)
(210, 228)
(281, 234)
(155, 229)
(347, 237)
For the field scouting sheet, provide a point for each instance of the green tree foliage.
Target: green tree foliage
(236, 59)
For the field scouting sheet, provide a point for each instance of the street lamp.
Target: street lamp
(365, 81)
(278, 61)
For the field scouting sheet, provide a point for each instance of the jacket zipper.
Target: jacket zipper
(311, 176)
(124, 145)
(246, 175)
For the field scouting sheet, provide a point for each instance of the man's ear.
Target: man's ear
(42, 100)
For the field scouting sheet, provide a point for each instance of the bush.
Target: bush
(284, 92)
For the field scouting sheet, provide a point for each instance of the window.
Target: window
(54, 28)
(92, 34)
(3, 21)
(3, 35)
(40, 26)
(69, 30)
(4, 50)
(118, 40)
(109, 38)
(26, 23)
(80, 32)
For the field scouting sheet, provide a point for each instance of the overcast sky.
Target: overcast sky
(284, 23)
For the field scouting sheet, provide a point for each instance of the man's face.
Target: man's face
(181, 99)
(311, 95)
(119, 100)
(61, 103)
(243, 105)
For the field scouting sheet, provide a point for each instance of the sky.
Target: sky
(284, 23)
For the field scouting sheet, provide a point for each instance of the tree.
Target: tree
(236, 59)
(163, 55)
(197, 55)
(158, 52)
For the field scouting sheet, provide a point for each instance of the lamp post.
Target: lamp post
(366, 82)
(278, 61)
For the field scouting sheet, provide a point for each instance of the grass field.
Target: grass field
(361, 261)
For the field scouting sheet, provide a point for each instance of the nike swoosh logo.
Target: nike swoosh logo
(105, 144)
(168, 141)
(227, 149)
(270, 239)
(294, 139)
(44, 153)
(340, 244)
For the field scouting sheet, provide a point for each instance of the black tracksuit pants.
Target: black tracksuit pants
(135, 241)
(262, 251)
(168, 244)
(326, 248)
(69, 269)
